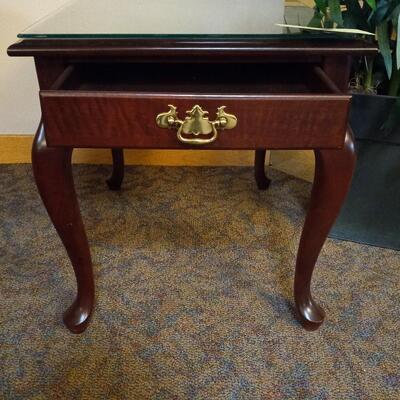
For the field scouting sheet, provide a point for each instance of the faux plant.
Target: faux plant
(381, 17)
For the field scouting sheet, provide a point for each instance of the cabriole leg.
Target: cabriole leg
(115, 181)
(333, 173)
(53, 175)
(259, 170)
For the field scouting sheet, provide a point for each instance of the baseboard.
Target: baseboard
(299, 163)
(16, 149)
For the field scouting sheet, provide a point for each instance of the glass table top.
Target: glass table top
(173, 18)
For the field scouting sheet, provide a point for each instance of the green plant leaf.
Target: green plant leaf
(371, 3)
(316, 21)
(395, 14)
(384, 46)
(355, 16)
(321, 4)
(382, 11)
(335, 12)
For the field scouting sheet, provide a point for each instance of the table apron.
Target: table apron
(104, 119)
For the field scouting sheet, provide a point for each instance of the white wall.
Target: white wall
(19, 101)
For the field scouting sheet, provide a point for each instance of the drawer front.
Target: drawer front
(123, 119)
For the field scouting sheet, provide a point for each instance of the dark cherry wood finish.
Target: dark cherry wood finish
(80, 114)
(53, 176)
(259, 170)
(333, 173)
(69, 121)
(203, 50)
(115, 180)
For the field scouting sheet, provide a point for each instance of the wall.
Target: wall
(19, 107)
(19, 103)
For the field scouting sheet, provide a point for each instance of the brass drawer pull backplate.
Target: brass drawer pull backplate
(196, 124)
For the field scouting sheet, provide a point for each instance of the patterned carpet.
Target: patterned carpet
(194, 270)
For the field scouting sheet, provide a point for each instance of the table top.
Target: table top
(224, 19)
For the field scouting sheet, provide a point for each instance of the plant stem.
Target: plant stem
(370, 67)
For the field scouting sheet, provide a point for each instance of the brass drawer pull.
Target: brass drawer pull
(196, 124)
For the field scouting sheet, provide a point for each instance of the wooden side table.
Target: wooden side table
(188, 92)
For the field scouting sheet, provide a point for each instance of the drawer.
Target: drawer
(215, 106)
